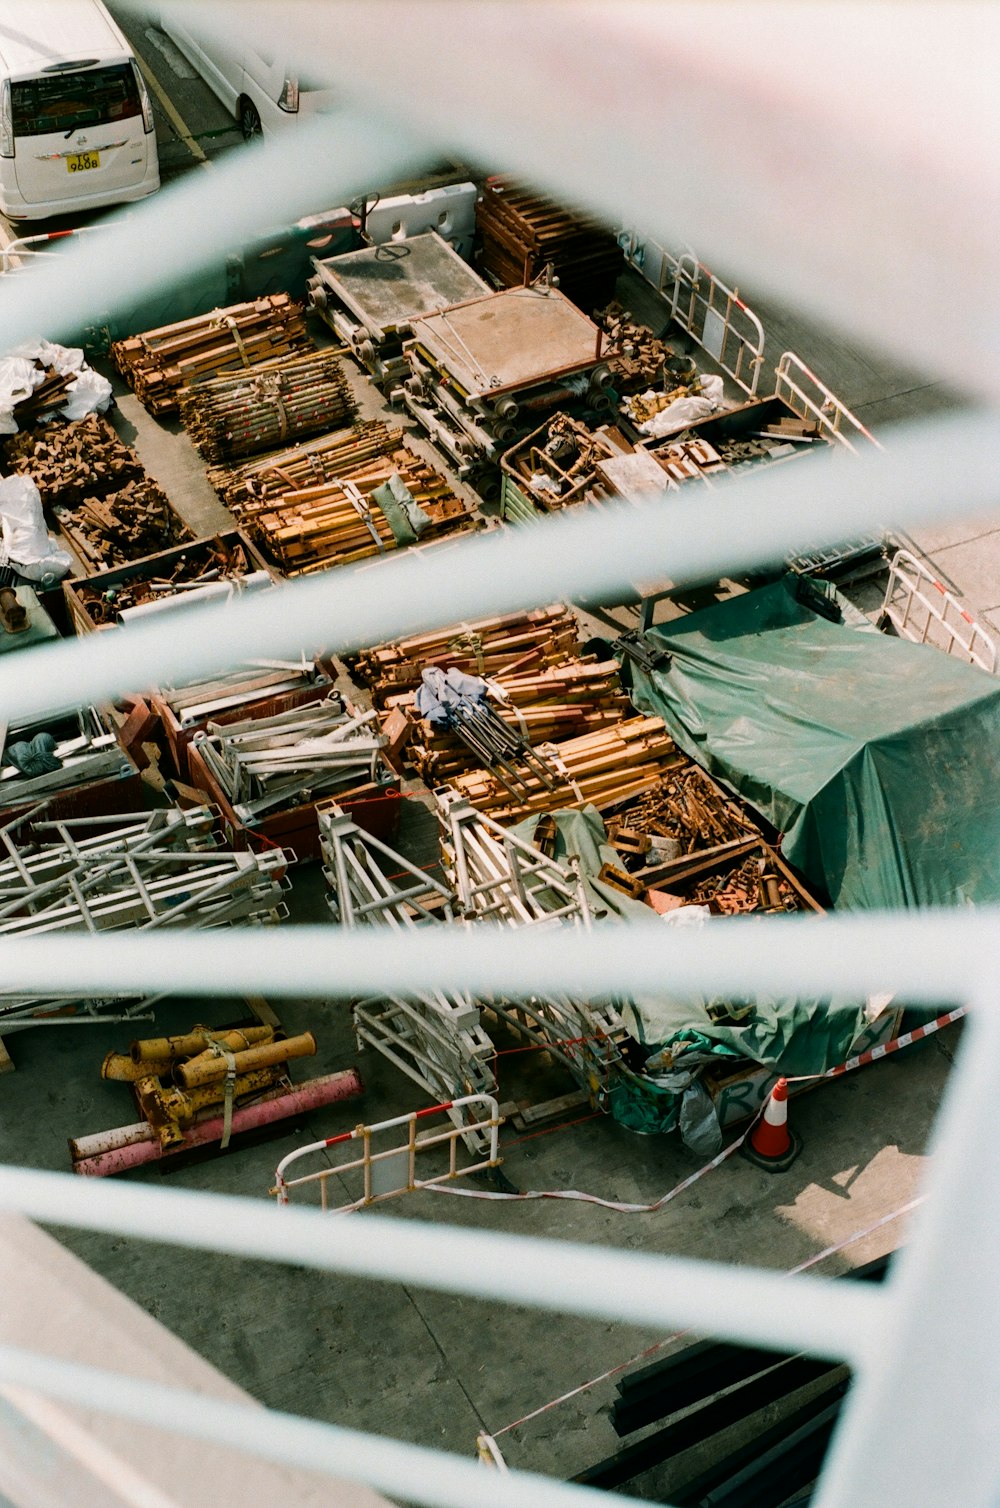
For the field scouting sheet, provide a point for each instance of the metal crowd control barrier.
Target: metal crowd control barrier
(25, 250)
(392, 1171)
(714, 315)
(922, 610)
(810, 398)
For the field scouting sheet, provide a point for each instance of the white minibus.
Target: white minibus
(76, 124)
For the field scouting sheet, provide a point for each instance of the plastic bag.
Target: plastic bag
(62, 359)
(18, 379)
(28, 543)
(699, 1124)
(89, 394)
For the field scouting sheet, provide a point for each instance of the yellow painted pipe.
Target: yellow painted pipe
(192, 1074)
(182, 1105)
(171, 1048)
(120, 1067)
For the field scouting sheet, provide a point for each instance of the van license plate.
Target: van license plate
(79, 162)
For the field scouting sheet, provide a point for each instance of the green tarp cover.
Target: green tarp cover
(878, 759)
(800, 1036)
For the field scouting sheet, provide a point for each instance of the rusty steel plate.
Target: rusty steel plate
(385, 287)
(508, 340)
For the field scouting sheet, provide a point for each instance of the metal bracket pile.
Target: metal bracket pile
(435, 1037)
(148, 870)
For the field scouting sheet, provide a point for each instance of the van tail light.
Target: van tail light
(288, 99)
(148, 123)
(6, 122)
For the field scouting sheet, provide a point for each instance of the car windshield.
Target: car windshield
(67, 101)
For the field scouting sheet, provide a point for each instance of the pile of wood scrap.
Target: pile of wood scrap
(277, 401)
(314, 528)
(268, 764)
(638, 358)
(159, 363)
(123, 526)
(69, 460)
(686, 809)
(521, 232)
(324, 459)
(557, 703)
(601, 768)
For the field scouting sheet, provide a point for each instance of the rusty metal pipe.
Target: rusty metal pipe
(264, 1056)
(194, 1041)
(127, 1147)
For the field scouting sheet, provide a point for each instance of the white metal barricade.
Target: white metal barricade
(392, 1170)
(810, 398)
(714, 315)
(29, 249)
(921, 609)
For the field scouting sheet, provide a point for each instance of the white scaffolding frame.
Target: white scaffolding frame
(848, 86)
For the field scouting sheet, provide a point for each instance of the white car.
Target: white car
(76, 124)
(260, 91)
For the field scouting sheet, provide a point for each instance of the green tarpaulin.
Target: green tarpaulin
(878, 759)
(679, 1037)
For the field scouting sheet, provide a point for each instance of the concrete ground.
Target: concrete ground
(430, 1367)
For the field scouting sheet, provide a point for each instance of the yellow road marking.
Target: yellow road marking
(176, 119)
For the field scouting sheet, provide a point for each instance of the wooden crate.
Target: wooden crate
(93, 798)
(149, 566)
(376, 808)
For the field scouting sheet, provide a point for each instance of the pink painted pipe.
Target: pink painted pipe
(131, 1146)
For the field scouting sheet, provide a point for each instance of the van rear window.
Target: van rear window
(67, 102)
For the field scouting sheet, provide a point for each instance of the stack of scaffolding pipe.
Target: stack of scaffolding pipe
(267, 406)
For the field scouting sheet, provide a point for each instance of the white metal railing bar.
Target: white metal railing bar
(923, 955)
(413, 1473)
(751, 1305)
(712, 314)
(919, 1426)
(809, 397)
(595, 554)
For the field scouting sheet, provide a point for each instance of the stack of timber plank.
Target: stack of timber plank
(555, 704)
(339, 521)
(70, 460)
(521, 232)
(601, 768)
(247, 484)
(159, 363)
(240, 415)
(492, 647)
(123, 526)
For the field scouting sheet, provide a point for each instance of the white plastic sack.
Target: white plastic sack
(18, 379)
(62, 359)
(89, 394)
(684, 411)
(28, 544)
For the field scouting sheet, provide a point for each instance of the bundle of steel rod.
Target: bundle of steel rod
(125, 525)
(55, 753)
(686, 807)
(601, 768)
(434, 1037)
(339, 521)
(260, 409)
(636, 356)
(200, 1063)
(492, 647)
(324, 459)
(269, 763)
(71, 460)
(250, 682)
(521, 232)
(560, 702)
(159, 363)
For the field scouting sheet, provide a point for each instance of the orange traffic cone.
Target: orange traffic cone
(771, 1144)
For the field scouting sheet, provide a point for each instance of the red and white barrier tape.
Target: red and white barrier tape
(884, 1049)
